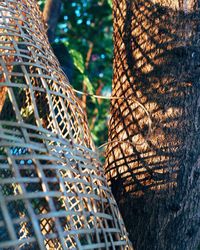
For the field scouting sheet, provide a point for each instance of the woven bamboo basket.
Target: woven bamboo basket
(53, 193)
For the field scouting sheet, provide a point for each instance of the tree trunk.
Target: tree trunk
(51, 14)
(153, 157)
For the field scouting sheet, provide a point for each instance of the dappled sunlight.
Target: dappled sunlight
(153, 140)
(150, 42)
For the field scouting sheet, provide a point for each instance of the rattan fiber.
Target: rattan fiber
(53, 191)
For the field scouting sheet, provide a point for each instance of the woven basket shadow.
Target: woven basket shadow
(53, 193)
(156, 72)
(153, 150)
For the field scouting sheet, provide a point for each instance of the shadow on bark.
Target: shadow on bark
(154, 173)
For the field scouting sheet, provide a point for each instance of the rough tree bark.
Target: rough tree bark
(51, 14)
(153, 157)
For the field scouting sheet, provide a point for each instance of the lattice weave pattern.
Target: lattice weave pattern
(151, 170)
(156, 50)
(52, 188)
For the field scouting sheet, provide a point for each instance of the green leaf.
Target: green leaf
(78, 60)
(110, 3)
(88, 84)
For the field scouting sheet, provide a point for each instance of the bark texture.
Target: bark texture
(153, 157)
(51, 15)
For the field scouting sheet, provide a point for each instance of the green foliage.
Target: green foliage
(88, 84)
(78, 60)
(85, 29)
(79, 64)
(110, 3)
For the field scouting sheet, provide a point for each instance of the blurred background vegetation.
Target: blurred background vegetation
(83, 44)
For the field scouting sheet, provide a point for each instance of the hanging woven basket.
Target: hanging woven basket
(53, 193)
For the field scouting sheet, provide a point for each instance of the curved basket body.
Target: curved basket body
(53, 191)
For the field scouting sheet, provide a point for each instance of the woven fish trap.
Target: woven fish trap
(53, 193)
